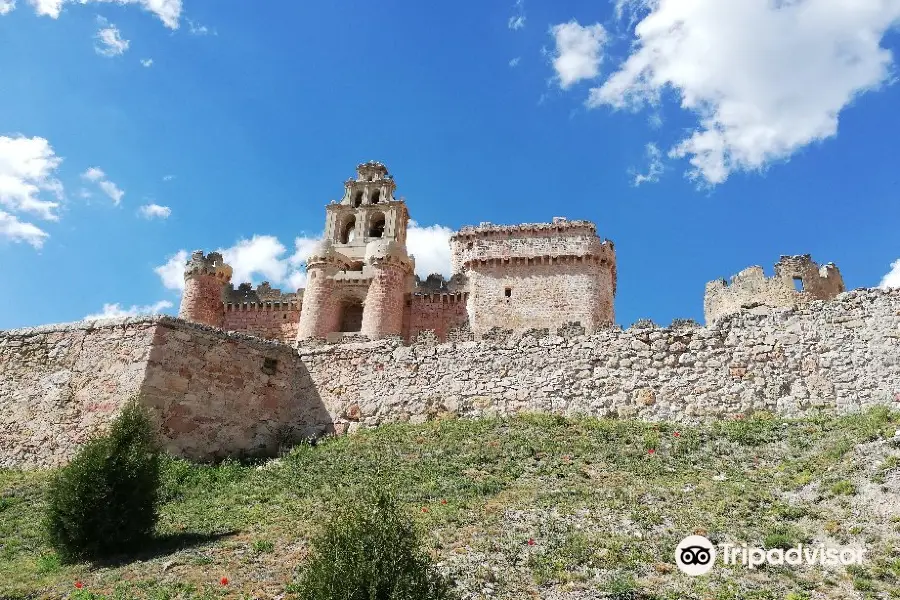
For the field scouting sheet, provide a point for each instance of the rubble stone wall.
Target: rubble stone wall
(440, 313)
(213, 394)
(266, 322)
(838, 356)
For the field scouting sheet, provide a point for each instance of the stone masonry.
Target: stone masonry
(361, 282)
(216, 393)
(797, 281)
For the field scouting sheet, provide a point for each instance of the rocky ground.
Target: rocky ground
(530, 507)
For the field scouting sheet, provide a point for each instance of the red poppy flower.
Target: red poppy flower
(651, 450)
(676, 434)
(79, 585)
(425, 509)
(531, 541)
(444, 501)
(224, 581)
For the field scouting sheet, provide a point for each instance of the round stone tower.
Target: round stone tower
(204, 279)
(321, 310)
(391, 276)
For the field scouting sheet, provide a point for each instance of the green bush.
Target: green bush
(369, 551)
(104, 502)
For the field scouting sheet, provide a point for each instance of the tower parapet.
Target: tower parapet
(205, 278)
(797, 281)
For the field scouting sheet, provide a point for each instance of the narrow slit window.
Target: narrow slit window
(798, 284)
(508, 292)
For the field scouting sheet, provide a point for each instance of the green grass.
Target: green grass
(520, 504)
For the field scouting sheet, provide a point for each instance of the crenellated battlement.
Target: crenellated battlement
(559, 224)
(211, 264)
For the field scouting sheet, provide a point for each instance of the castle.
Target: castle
(525, 323)
(361, 282)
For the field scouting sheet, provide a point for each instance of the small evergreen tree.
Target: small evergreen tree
(104, 502)
(369, 551)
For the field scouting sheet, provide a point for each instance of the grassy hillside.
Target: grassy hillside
(528, 507)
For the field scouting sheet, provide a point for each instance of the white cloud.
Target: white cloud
(892, 279)
(155, 211)
(515, 62)
(262, 257)
(578, 51)
(198, 29)
(147, 62)
(172, 272)
(168, 11)
(168, 177)
(6, 6)
(431, 247)
(15, 230)
(764, 79)
(96, 175)
(517, 21)
(115, 311)
(110, 39)
(654, 169)
(27, 169)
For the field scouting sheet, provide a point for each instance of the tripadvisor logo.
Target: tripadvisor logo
(696, 555)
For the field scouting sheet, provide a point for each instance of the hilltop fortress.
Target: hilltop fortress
(524, 323)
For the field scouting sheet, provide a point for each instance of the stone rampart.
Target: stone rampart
(837, 356)
(216, 394)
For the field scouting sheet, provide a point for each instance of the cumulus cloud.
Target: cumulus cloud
(15, 230)
(7, 6)
(654, 169)
(578, 52)
(27, 170)
(115, 311)
(96, 175)
(892, 279)
(515, 62)
(764, 79)
(171, 273)
(155, 211)
(260, 258)
(109, 40)
(431, 247)
(168, 11)
(27, 175)
(147, 62)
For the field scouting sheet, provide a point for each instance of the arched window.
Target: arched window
(351, 316)
(357, 199)
(376, 225)
(375, 196)
(348, 230)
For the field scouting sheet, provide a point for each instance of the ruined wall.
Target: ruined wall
(522, 294)
(751, 287)
(838, 356)
(437, 312)
(213, 394)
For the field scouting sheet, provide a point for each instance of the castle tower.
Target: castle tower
(536, 275)
(205, 277)
(359, 276)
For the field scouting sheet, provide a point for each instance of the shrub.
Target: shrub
(369, 550)
(104, 502)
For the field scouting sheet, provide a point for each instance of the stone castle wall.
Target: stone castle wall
(266, 322)
(837, 356)
(751, 287)
(216, 394)
(213, 394)
(440, 313)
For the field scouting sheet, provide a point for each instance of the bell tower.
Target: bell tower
(367, 212)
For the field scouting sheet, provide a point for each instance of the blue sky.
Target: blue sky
(747, 132)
